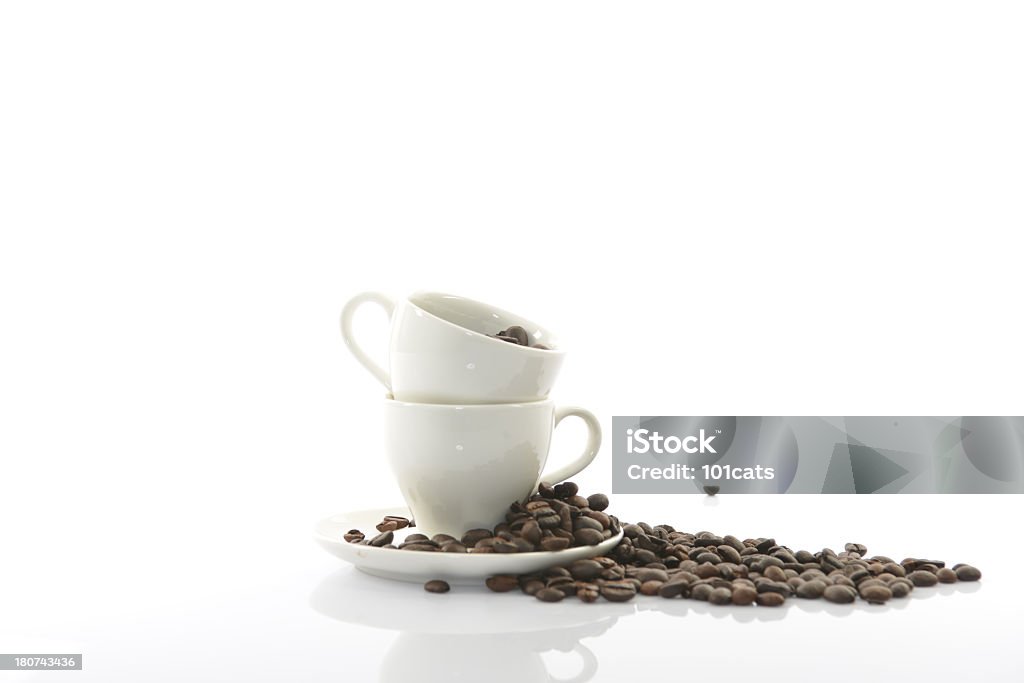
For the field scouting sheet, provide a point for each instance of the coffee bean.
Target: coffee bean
(554, 543)
(709, 558)
(598, 502)
(720, 596)
(387, 526)
(811, 590)
(453, 547)
(506, 338)
(519, 334)
(531, 532)
(901, 588)
(712, 490)
(946, 575)
(401, 522)
(473, 536)
(549, 595)
(545, 490)
(651, 587)
(585, 570)
(729, 554)
(618, 591)
(532, 586)
(354, 535)
(775, 574)
(701, 591)
(770, 599)
(436, 586)
(502, 583)
(840, 594)
(743, 595)
(382, 539)
(674, 589)
(966, 572)
(601, 518)
(503, 546)
(858, 548)
(651, 574)
(588, 537)
(876, 595)
(421, 547)
(587, 523)
(588, 592)
(922, 578)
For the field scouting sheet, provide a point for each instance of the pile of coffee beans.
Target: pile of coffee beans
(660, 561)
(517, 335)
(555, 518)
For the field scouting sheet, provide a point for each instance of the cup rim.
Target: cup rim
(411, 300)
(390, 400)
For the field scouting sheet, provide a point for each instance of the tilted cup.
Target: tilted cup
(439, 351)
(459, 467)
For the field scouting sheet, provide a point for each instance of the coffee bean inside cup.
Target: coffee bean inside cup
(517, 335)
(659, 560)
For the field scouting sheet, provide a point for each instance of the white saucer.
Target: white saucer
(417, 566)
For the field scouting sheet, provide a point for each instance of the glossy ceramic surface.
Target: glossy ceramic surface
(459, 467)
(439, 351)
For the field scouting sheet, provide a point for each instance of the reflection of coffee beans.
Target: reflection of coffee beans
(517, 335)
(659, 560)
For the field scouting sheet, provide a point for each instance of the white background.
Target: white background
(721, 208)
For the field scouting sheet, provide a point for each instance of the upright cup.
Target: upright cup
(440, 352)
(459, 467)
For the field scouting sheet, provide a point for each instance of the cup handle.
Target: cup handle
(347, 313)
(589, 451)
(589, 666)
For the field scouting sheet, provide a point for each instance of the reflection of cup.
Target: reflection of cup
(461, 639)
(460, 466)
(495, 659)
(440, 351)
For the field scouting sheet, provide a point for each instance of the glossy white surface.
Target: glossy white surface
(756, 208)
(459, 467)
(439, 351)
(264, 603)
(420, 566)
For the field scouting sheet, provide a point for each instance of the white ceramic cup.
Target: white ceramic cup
(459, 467)
(440, 352)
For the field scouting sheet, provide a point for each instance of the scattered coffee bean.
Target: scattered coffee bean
(712, 490)
(840, 594)
(382, 539)
(618, 591)
(588, 537)
(876, 595)
(555, 543)
(660, 560)
(588, 592)
(503, 583)
(743, 594)
(921, 577)
(549, 595)
(811, 590)
(966, 572)
(436, 586)
(770, 599)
